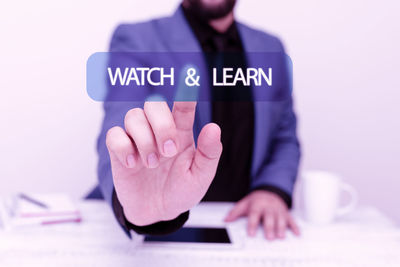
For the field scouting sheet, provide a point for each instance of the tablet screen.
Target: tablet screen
(194, 235)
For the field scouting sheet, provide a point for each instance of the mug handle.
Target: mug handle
(353, 200)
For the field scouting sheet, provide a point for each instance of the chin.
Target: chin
(212, 3)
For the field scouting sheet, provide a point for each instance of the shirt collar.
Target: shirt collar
(205, 33)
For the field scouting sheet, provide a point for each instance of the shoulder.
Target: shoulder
(260, 38)
(136, 36)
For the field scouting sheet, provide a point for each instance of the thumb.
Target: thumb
(208, 152)
(237, 211)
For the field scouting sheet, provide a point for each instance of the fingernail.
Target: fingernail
(130, 160)
(170, 148)
(152, 160)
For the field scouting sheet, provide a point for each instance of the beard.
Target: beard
(207, 12)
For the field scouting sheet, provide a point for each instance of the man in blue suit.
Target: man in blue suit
(150, 169)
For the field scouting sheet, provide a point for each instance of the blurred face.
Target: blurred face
(211, 9)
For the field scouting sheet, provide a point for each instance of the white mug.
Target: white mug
(321, 195)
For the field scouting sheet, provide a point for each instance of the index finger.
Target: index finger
(183, 113)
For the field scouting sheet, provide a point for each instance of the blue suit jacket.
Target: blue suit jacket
(276, 149)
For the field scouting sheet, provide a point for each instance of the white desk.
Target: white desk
(366, 238)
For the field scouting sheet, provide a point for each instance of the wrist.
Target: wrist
(283, 195)
(147, 217)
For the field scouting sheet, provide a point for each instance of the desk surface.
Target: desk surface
(365, 238)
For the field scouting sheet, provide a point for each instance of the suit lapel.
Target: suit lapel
(182, 39)
(251, 44)
(178, 34)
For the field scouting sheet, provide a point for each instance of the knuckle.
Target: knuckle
(149, 105)
(185, 107)
(165, 128)
(254, 209)
(254, 218)
(269, 226)
(111, 136)
(116, 141)
(149, 146)
(269, 223)
(146, 105)
(145, 146)
(133, 114)
(253, 222)
(252, 225)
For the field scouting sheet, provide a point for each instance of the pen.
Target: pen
(33, 201)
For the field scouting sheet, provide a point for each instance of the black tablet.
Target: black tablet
(193, 235)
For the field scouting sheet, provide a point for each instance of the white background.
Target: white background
(347, 89)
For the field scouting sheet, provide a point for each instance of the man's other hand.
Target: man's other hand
(158, 172)
(266, 208)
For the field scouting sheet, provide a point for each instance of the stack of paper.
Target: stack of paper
(38, 209)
